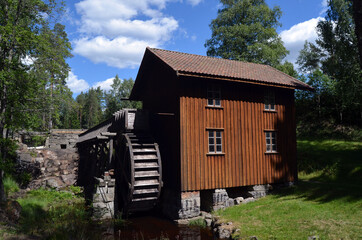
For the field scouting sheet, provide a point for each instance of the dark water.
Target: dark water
(140, 228)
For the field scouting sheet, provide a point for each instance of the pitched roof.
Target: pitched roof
(192, 64)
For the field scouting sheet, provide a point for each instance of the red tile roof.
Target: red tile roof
(192, 64)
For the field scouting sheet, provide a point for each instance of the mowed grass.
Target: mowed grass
(326, 203)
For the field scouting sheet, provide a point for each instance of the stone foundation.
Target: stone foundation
(190, 205)
(103, 199)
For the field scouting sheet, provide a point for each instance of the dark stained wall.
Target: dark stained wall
(159, 94)
(243, 122)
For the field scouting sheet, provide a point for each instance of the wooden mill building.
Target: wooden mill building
(219, 123)
(208, 125)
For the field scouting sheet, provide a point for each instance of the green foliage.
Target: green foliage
(245, 30)
(332, 66)
(90, 104)
(38, 140)
(332, 160)
(10, 186)
(7, 155)
(199, 222)
(56, 215)
(113, 98)
(327, 202)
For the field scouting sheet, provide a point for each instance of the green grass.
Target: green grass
(326, 203)
(10, 186)
(199, 222)
(50, 214)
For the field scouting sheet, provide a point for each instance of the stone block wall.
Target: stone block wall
(63, 138)
(57, 165)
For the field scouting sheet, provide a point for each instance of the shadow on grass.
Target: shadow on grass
(329, 170)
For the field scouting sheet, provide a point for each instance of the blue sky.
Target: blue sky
(109, 37)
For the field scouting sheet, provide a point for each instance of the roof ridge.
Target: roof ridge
(224, 59)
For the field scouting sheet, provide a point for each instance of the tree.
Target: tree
(21, 38)
(357, 16)
(51, 70)
(335, 55)
(245, 30)
(90, 104)
(114, 99)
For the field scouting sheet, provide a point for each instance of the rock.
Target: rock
(54, 183)
(238, 200)
(39, 160)
(13, 210)
(247, 200)
(69, 179)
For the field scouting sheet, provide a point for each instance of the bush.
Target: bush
(10, 186)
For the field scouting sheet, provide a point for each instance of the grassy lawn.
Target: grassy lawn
(327, 202)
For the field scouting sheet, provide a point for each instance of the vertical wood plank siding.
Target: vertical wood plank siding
(243, 122)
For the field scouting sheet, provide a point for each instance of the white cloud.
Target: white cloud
(105, 85)
(295, 37)
(120, 52)
(194, 2)
(116, 32)
(76, 85)
(324, 5)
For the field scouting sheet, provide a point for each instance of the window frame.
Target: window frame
(216, 137)
(213, 96)
(272, 146)
(269, 101)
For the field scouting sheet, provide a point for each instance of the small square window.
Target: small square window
(271, 141)
(213, 96)
(63, 146)
(215, 141)
(269, 100)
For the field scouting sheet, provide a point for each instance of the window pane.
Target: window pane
(273, 141)
(268, 141)
(218, 148)
(210, 102)
(266, 107)
(211, 134)
(272, 106)
(218, 140)
(273, 134)
(217, 102)
(274, 147)
(211, 141)
(218, 134)
(268, 148)
(211, 148)
(267, 134)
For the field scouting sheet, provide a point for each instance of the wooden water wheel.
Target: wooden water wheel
(138, 171)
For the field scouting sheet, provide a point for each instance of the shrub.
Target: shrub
(10, 186)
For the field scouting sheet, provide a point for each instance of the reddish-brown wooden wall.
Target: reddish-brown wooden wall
(243, 120)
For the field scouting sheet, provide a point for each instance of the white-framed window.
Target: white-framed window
(271, 141)
(215, 141)
(269, 100)
(213, 96)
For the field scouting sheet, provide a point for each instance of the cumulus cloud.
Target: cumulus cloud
(295, 37)
(105, 85)
(75, 84)
(116, 32)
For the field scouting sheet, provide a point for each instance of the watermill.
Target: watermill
(123, 149)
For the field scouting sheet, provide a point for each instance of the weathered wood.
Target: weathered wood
(242, 119)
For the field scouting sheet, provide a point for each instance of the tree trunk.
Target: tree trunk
(357, 15)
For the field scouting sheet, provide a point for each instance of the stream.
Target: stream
(149, 227)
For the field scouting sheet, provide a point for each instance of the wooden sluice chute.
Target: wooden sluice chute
(129, 152)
